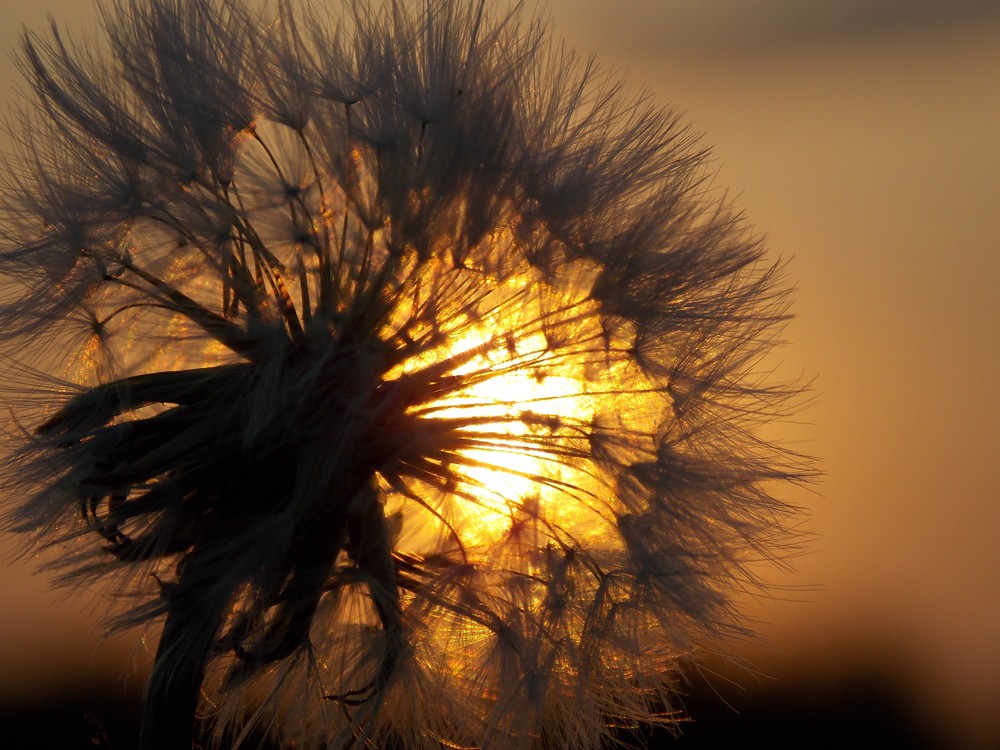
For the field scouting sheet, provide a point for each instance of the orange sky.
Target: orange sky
(864, 139)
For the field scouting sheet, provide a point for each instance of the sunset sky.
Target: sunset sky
(862, 137)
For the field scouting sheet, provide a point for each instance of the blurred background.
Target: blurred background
(863, 138)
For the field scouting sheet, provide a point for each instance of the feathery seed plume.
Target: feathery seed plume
(398, 363)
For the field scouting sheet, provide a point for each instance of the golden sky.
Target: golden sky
(863, 138)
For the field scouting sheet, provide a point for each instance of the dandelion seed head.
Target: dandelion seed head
(398, 363)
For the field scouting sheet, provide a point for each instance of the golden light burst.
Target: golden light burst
(535, 370)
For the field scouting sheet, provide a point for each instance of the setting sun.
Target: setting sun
(513, 472)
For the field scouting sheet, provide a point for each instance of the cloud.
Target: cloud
(731, 26)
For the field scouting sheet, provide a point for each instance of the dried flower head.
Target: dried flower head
(399, 363)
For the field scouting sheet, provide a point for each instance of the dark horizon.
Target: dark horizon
(860, 707)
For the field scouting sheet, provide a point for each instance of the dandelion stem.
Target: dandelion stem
(189, 632)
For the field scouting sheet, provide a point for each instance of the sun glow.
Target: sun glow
(519, 466)
(531, 374)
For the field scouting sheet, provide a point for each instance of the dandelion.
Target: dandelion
(398, 363)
